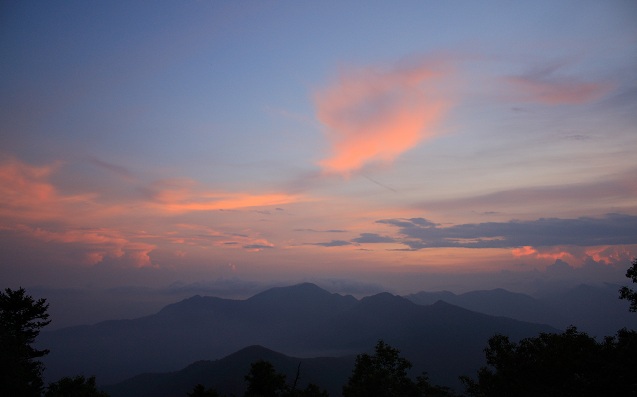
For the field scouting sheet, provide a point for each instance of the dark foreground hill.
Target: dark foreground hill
(303, 321)
(226, 375)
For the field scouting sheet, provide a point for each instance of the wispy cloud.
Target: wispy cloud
(321, 231)
(547, 87)
(113, 168)
(95, 245)
(202, 236)
(333, 243)
(183, 195)
(372, 115)
(96, 229)
(373, 238)
(619, 188)
(27, 194)
(258, 247)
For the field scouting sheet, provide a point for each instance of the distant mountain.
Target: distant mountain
(226, 375)
(593, 309)
(496, 302)
(302, 321)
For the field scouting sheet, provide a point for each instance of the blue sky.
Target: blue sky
(146, 143)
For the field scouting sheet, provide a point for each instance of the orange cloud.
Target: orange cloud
(179, 196)
(575, 255)
(556, 92)
(524, 251)
(550, 253)
(97, 244)
(28, 198)
(25, 192)
(610, 254)
(374, 116)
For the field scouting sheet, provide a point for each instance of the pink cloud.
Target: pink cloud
(26, 193)
(180, 196)
(92, 229)
(616, 254)
(96, 245)
(374, 116)
(546, 253)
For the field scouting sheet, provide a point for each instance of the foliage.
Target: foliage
(74, 387)
(21, 318)
(201, 391)
(264, 381)
(311, 390)
(567, 364)
(628, 293)
(426, 389)
(384, 374)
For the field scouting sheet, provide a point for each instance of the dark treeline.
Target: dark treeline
(570, 363)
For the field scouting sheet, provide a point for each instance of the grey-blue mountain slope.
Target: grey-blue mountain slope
(594, 309)
(302, 320)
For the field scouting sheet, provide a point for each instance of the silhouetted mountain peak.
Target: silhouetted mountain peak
(254, 352)
(303, 290)
(195, 303)
(441, 303)
(428, 298)
(384, 297)
(386, 301)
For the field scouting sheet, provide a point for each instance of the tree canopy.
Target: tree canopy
(384, 374)
(201, 391)
(264, 381)
(571, 363)
(628, 293)
(21, 319)
(78, 386)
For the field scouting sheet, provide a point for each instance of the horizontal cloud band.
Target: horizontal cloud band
(419, 233)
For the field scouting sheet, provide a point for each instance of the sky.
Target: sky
(401, 145)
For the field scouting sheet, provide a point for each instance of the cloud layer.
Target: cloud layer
(546, 87)
(93, 228)
(374, 116)
(612, 229)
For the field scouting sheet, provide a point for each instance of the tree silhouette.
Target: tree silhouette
(21, 318)
(628, 293)
(567, 364)
(201, 391)
(311, 390)
(264, 381)
(74, 387)
(384, 374)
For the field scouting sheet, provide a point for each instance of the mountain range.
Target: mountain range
(594, 309)
(303, 321)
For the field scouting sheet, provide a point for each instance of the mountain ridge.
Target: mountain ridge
(226, 374)
(301, 321)
(593, 309)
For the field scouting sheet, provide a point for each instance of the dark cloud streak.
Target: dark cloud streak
(612, 229)
(333, 243)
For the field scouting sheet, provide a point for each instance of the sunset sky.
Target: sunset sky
(408, 145)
